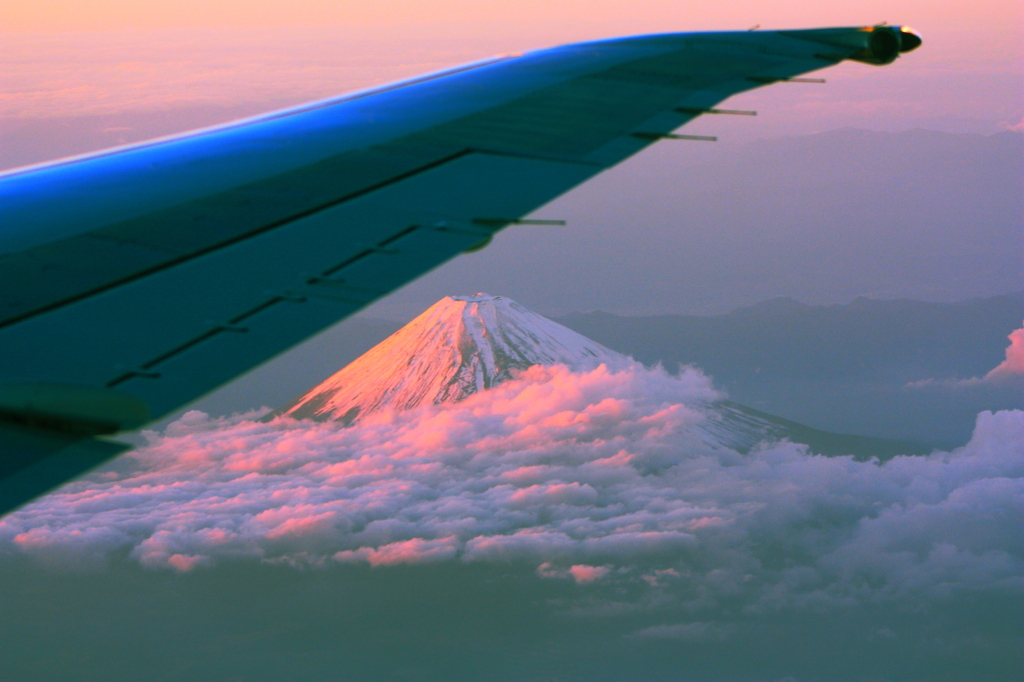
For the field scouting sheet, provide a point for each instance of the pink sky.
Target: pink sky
(81, 57)
(546, 19)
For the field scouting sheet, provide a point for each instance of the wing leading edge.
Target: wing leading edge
(135, 280)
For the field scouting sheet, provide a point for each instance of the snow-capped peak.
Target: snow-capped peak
(458, 346)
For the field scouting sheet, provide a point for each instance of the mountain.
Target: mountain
(465, 344)
(458, 346)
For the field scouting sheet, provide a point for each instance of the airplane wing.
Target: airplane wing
(135, 280)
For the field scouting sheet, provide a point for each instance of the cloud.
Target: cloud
(415, 551)
(582, 573)
(174, 69)
(1013, 365)
(598, 478)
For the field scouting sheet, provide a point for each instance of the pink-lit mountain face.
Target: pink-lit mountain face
(457, 347)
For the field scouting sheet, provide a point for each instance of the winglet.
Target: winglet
(871, 44)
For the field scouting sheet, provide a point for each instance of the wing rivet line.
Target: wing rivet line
(139, 373)
(729, 112)
(327, 295)
(365, 251)
(342, 284)
(230, 327)
(501, 222)
(285, 297)
(674, 136)
(778, 79)
(452, 229)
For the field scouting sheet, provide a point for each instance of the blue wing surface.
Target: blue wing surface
(135, 280)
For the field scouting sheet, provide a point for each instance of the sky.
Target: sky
(96, 56)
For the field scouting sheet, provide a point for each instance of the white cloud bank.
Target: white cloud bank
(595, 477)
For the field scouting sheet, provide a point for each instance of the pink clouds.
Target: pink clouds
(185, 563)
(1013, 365)
(415, 551)
(556, 493)
(300, 526)
(609, 481)
(582, 573)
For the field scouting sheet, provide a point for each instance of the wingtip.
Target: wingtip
(910, 39)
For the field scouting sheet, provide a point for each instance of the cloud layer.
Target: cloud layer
(47, 76)
(595, 477)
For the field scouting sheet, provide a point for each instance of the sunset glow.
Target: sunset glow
(103, 56)
(538, 17)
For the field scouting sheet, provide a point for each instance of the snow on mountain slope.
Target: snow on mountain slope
(458, 346)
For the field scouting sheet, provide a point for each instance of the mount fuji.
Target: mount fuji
(458, 346)
(465, 344)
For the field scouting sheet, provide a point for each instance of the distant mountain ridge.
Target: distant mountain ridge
(847, 367)
(866, 339)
